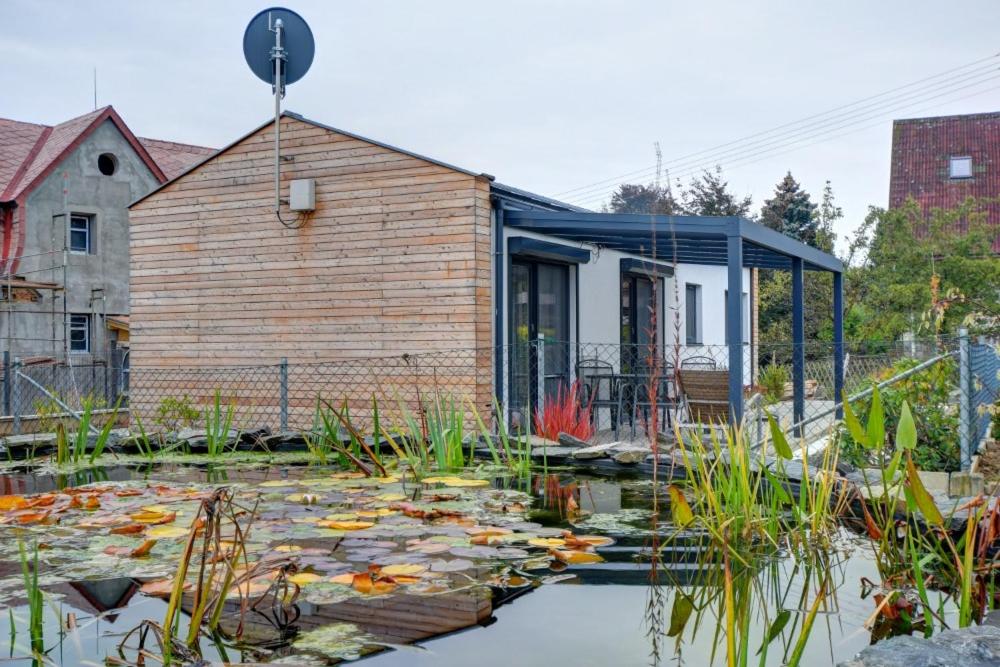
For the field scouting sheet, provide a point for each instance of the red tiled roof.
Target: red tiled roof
(921, 153)
(27, 150)
(174, 158)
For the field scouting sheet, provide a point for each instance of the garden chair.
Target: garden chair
(705, 394)
(598, 380)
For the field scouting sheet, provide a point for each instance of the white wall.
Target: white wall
(599, 283)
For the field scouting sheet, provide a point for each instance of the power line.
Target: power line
(695, 166)
(875, 111)
(827, 117)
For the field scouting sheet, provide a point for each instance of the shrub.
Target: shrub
(173, 413)
(565, 414)
(773, 380)
(928, 394)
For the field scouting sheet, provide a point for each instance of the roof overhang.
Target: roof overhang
(681, 239)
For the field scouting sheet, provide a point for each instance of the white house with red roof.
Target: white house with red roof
(64, 234)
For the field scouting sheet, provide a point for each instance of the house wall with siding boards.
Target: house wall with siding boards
(395, 259)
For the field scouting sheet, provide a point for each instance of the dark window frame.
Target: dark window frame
(80, 323)
(695, 336)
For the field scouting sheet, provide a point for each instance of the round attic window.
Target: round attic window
(107, 163)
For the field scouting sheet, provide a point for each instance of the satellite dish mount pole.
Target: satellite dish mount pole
(278, 57)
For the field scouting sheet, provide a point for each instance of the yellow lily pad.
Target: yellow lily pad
(404, 570)
(346, 525)
(166, 532)
(303, 578)
(547, 542)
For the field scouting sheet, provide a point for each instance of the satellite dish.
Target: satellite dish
(278, 46)
(278, 33)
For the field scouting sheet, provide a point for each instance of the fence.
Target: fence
(617, 378)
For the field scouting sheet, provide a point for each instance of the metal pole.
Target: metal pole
(283, 379)
(798, 344)
(838, 341)
(6, 382)
(540, 380)
(15, 408)
(964, 399)
(278, 56)
(734, 308)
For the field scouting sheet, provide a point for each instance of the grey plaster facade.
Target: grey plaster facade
(96, 282)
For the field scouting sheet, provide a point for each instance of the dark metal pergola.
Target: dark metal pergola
(720, 241)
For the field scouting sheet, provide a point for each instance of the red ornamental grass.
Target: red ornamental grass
(565, 414)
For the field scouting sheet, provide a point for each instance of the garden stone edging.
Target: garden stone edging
(975, 646)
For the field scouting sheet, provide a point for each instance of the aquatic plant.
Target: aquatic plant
(76, 451)
(565, 413)
(218, 424)
(29, 571)
(174, 412)
(514, 453)
(917, 546)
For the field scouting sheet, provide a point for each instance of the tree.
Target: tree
(637, 198)
(938, 272)
(791, 211)
(708, 194)
(775, 314)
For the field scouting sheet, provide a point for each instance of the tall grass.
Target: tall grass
(75, 452)
(218, 423)
(36, 607)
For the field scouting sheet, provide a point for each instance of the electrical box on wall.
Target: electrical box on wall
(302, 194)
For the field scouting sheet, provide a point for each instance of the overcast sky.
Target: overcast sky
(547, 95)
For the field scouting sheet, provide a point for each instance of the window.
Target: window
(745, 310)
(81, 233)
(79, 333)
(692, 313)
(107, 164)
(960, 167)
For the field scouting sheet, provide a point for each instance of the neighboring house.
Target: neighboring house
(64, 192)
(404, 254)
(943, 160)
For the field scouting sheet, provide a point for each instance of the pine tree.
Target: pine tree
(709, 194)
(791, 211)
(637, 198)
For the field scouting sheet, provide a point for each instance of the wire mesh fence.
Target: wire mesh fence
(625, 385)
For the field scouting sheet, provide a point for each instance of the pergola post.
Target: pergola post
(838, 342)
(798, 344)
(734, 323)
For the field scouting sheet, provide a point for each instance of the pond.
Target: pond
(472, 566)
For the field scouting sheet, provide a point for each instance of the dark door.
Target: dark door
(540, 333)
(640, 315)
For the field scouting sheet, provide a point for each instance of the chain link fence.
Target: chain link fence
(625, 384)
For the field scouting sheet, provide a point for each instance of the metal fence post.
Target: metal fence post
(6, 382)
(540, 380)
(15, 409)
(964, 399)
(283, 380)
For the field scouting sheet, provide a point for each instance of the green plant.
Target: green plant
(176, 412)
(74, 453)
(29, 572)
(513, 453)
(218, 425)
(445, 420)
(928, 397)
(924, 548)
(773, 380)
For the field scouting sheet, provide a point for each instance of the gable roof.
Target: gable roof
(514, 196)
(174, 158)
(30, 151)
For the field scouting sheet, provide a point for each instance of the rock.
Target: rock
(571, 440)
(992, 618)
(538, 442)
(594, 451)
(631, 455)
(965, 484)
(554, 451)
(975, 646)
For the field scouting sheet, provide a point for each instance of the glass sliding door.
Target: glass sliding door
(641, 312)
(540, 334)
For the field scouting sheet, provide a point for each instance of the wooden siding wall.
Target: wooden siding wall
(395, 259)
